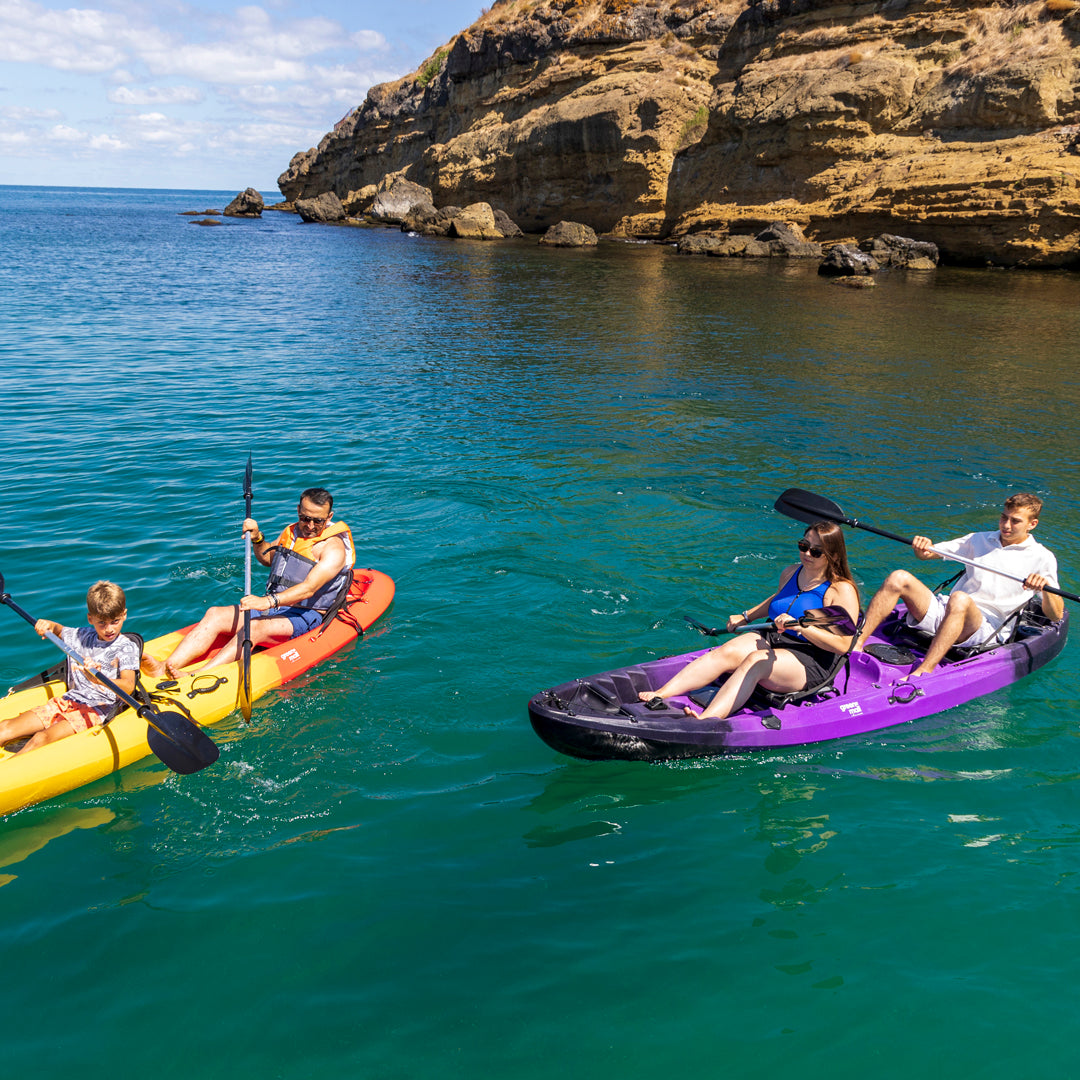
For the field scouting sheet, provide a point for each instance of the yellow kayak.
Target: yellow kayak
(205, 698)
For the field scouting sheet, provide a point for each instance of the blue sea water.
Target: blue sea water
(555, 454)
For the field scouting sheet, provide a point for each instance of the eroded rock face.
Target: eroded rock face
(955, 122)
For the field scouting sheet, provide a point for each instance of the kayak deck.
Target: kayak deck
(603, 717)
(206, 698)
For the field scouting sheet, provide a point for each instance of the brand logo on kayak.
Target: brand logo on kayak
(292, 655)
(852, 708)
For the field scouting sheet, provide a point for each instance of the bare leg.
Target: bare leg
(708, 667)
(962, 619)
(18, 727)
(216, 621)
(262, 631)
(775, 669)
(60, 730)
(899, 585)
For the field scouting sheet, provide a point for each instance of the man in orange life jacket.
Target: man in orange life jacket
(310, 569)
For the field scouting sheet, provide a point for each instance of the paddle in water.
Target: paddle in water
(245, 666)
(179, 743)
(809, 508)
(833, 618)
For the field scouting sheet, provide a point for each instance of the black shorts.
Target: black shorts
(818, 662)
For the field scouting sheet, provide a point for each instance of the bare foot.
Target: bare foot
(152, 666)
(173, 671)
(690, 712)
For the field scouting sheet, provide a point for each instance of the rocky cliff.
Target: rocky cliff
(954, 121)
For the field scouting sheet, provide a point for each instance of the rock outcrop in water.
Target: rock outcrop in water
(952, 121)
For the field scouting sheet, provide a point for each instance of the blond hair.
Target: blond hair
(105, 600)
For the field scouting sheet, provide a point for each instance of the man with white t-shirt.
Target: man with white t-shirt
(973, 613)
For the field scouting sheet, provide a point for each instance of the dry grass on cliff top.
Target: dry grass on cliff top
(998, 37)
(505, 14)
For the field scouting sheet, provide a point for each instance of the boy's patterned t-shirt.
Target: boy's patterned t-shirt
(121, 654)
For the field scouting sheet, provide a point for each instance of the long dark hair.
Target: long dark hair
(832, 543)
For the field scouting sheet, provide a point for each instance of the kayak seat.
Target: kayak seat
(61, 672)
(140, 693)
(827, 688)
(1025, 621)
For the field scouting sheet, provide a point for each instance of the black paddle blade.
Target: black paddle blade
(809, 508)
(708, 631)
(179, 743)
(833, 617)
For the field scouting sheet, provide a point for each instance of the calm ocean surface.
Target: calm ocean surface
(555, 454)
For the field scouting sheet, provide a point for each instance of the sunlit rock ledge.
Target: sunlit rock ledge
(953, 122)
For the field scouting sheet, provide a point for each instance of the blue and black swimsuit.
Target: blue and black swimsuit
(793, 601)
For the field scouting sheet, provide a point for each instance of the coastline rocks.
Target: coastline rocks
(787, 239)
(475, 222)
(427, 221)
(505, 226)
(397, 198)
(198, 213)
(359, 202)
(783, 239)
(324, 207)
(248, 204)
(845, 261)
(205, 221)
(569, 234)
(955, 121)
(900, 253)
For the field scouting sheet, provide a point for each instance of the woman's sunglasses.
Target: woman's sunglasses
(815, 552)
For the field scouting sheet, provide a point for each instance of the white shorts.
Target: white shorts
(936, 612)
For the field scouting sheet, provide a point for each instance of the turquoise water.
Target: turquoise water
(555, 455)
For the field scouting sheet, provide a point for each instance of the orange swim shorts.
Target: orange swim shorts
(80, 717)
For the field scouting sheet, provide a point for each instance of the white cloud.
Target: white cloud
(250, 84)
(77, 40)
(22, 114)
(156, 95)
(369, 41)
(107, 142)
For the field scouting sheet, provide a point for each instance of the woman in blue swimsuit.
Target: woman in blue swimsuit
(784, 661)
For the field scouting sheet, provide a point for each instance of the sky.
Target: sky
(202, 95)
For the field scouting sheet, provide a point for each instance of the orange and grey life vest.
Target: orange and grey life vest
(292, 562)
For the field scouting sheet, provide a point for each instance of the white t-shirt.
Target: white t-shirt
(996, 596)
(120, 654)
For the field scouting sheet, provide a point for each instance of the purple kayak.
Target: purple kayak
(602, 716)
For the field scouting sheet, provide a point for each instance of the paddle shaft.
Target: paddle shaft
(245, 682)
(143, 710)
(832, 512)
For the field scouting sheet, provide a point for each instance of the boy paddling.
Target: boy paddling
(973, 613)
(87, 701)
